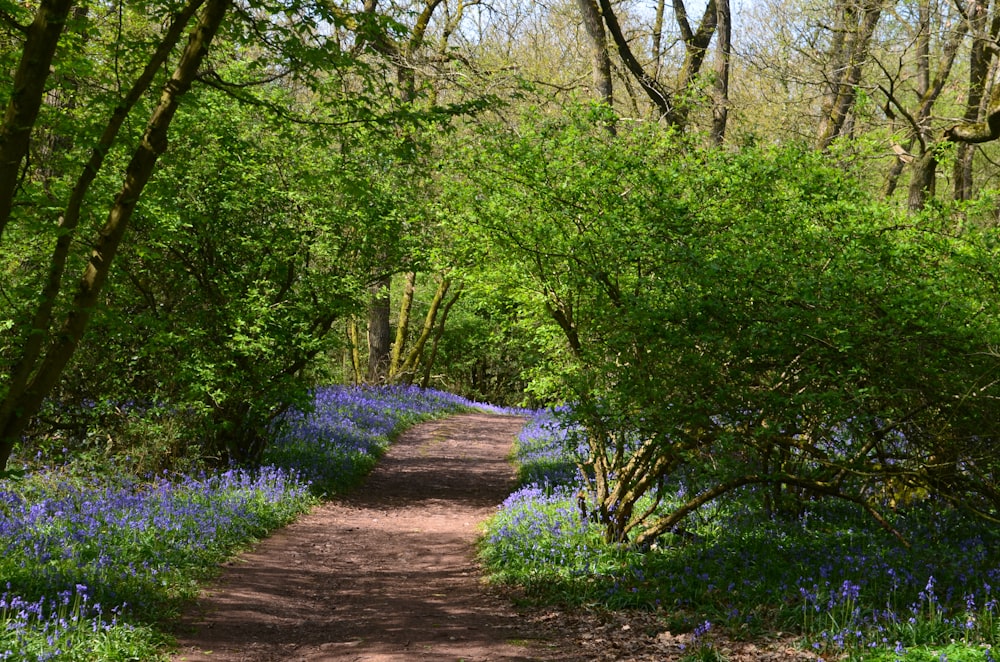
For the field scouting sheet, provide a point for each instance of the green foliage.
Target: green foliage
(253, 240)
(953, 652)
(142, 438)
(111, 643)
(484, 352)
(287, 187)
(741, 317)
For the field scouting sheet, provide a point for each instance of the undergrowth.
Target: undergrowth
(827, 572)
(96, 561)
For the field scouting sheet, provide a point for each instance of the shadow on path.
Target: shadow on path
(387, 573)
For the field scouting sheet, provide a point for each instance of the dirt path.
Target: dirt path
(385, 574)
(389, 574)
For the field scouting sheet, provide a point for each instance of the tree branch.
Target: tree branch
(657, 93)
(27, 91)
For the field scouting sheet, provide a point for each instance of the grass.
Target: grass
(95, 562)
(828, 573)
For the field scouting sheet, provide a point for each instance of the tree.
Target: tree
(403, 54)
(41, 38)
(723, 55)
(601, 61)
(672, 106)
(849, 47)
(985, 32)
(248, 248)
(742, 319)
(918, 121)
(36, 367)
(302, 57)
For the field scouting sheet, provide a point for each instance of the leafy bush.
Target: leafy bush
(743, 318)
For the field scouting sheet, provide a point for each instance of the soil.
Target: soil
(389, 573)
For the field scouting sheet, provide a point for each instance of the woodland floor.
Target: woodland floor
(389, 573)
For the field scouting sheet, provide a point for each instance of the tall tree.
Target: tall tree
(723, 56)
(673, 106)
(379, 331)
(402, 324)
(41, 38)
(600, 59)
(849, 48)
(403, 54)
(36, 371)
(919, 150)
(985, 32)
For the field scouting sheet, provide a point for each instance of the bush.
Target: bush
(746, 318)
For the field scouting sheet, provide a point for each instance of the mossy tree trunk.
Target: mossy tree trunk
(38, 372)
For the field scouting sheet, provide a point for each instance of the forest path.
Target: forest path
(385, 573)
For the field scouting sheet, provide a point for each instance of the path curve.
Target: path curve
(385, 574)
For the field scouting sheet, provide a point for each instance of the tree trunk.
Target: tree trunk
(723, 46)
(695, 51)
(924, 175)
(600, 60)
(409, 367)
(658, 37)
(980, 65)
(837, 53)
(656, 93)
(379, 333)
(402, 326)
(930, 90)
(28, 90)
(41, 322)
(20, 405)
(854, 52)
(438, 334)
